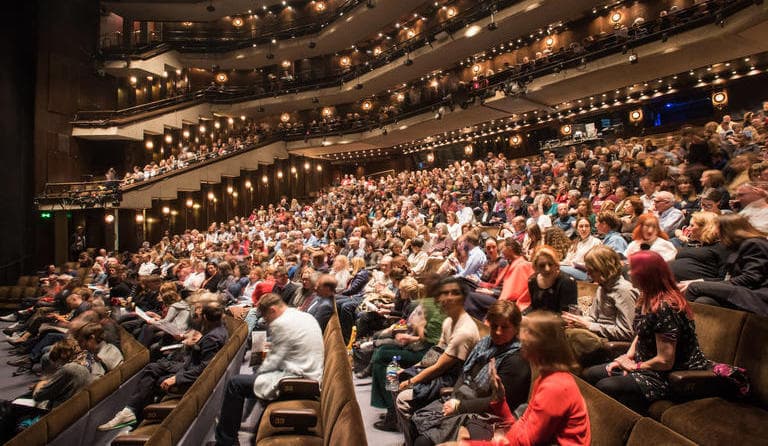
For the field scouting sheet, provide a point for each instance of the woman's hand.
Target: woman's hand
(405, 384)
(498, 392)
(624, 363)
(402, 338)
(573, 321)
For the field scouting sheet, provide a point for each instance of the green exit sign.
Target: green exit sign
(45, 215)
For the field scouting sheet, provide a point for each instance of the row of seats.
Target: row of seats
(333, 420)
(11, 296)
(165, 423)
(73, 413)
(703, 407)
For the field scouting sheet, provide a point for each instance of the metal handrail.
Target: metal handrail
(231, 95)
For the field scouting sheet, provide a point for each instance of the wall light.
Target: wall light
(306, 165)
(248, 184)
(264, 179)
(190, 203)
(400, 97)
(139, 218)
(149, 145)
(231, 121)
(377, 51)
(168, 139)
(211, 197)
(280, 174)
(166, 210)
(217, 124)
(133, 80)
(319, 168)
(185, 133)
(202, 129)
(476, 68)
(430, 157)
(293, 170)
(549, 41)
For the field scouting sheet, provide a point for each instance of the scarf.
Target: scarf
(484, 350)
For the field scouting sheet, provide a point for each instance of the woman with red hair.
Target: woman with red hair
(649, 236)
(665, 338)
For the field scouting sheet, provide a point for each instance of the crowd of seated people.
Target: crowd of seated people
(415, 275)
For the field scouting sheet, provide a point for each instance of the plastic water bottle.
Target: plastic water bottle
(392, 368)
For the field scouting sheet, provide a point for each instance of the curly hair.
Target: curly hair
(556, 238)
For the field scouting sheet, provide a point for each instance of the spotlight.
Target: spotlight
(720, 98)
(636, 116)
(633, 59)
(367, 105)
(616, 18)
(285, 117)
(430, 157)
(222, 78)
(109, 218)
(237, 22)
(566, 129)
(515, 140)
(139, 218)
(468, 149)
(189, 202)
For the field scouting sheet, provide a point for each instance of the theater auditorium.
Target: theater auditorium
(384, 222)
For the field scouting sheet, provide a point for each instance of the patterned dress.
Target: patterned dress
(672, 325)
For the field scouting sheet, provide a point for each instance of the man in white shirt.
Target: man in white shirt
(296, 351)
(465, 214)
(649, 193)
(752, 198)
(147, 266)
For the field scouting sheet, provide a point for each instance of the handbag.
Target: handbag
(431, 356)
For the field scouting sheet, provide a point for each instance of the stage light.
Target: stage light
(286, 64)
(168, 139)
(327, 112)
(616, 17)
(190, 203)
(468, 149)
(237, 22)
(264, 179)
(636, 116)
(166, 210)
(345, 61)
(109, 218)
(720, 99)
(515, 140)
(451, 12)
(367, 105)
(306, 165)
(149, 145)
(285, 117)
(566, 129)
(222, 78)
(139, 218)
(320, 6)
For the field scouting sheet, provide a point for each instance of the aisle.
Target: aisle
(371, 415)
(11, 387)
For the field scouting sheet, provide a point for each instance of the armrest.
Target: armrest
(446, 392)
(298, 419)
(298, 389)
(158, 411)
(616, 348)
(697, 384)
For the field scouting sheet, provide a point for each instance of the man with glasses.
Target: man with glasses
(670, 218)
(296, 351)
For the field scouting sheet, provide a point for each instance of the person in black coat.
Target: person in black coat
(702, 254)
(159, 377)
(212, 277)
(550, 289)
(746, 286)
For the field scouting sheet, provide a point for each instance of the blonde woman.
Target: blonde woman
(702, 256)
(340, 270)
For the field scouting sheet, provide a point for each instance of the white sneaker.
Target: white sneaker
(9, 318)
(124, 418)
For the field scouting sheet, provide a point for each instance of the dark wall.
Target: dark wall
(17, 93)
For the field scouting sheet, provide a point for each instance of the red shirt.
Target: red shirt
(556, 414)
(514, 282)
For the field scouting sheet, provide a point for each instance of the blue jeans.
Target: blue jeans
(577, 274)
(347, 309)
(239, 388)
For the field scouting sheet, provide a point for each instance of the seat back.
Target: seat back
(718, 331)
(611, 422)
(649, 431)
(751, 354)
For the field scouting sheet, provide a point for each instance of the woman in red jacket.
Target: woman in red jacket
(556, 412)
